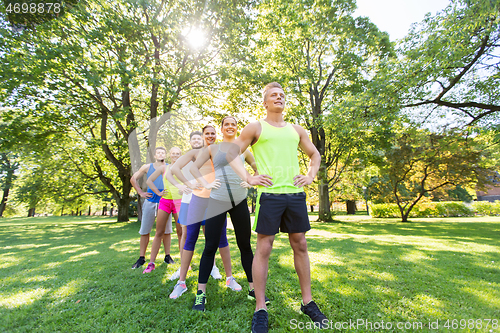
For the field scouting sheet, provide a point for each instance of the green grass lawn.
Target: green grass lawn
(72, 274)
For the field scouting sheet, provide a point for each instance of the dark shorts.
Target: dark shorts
(281, 212)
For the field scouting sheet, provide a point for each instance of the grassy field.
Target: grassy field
(72, 274)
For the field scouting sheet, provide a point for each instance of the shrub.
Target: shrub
(453, 209)
(384, 210)
(424, 209)
(487, 208)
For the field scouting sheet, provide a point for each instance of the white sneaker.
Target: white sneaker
(231, 283)
(215, 273)
(176, 275)
(179, 289)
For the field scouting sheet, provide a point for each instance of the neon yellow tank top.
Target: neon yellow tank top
(276, 155)
(173, 192)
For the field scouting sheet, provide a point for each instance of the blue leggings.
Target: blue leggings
(195, 215)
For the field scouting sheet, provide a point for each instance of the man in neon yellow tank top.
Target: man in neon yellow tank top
(281, 200)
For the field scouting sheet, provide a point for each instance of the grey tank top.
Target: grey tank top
(226, 175)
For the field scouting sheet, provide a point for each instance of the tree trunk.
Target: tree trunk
(104, 210)
(123, 206)
(351, 207)
(319, 141)
(90, 211)
(111, 212)
(8, 183)
(31, 212)
(324, 213)
(62, 211)
(404, 217)
(140, 202)
(312, 208)
(4, 200)
(136, 163)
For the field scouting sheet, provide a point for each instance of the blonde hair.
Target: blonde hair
(175, 148)
(268, 87)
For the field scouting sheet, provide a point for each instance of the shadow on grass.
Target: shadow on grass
(64, 274)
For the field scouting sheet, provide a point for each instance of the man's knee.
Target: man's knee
(298, 242)
(264, 245)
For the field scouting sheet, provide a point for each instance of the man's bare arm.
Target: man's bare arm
(250, 159)
(137, 175)
(315, 158)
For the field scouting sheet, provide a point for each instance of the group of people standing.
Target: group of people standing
(202, 186)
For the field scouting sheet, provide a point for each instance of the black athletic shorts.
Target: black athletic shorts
(285, 212)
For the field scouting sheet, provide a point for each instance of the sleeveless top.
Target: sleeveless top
(226, 175)
(158, 183)
(207, 171)
(172, 192)
(275, 153)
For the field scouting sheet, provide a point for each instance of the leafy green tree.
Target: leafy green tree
(421, 162)
(449, 63)
(107, 68)
(325, 57)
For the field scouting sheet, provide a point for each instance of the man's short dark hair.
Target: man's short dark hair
(160, 147)
(195, 133)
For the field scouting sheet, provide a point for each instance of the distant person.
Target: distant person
(150, 205)
(170, 204)
(281, 200)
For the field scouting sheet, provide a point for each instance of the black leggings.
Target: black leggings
(240, 217)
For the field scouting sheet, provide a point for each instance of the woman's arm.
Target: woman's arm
(202, 158)
(176, 168)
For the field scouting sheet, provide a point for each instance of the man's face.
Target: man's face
(196, 141)
(275, 99)
(209, 135)
(160, 155)
(174, 155)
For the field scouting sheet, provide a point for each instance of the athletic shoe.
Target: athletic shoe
(168, 259)
(149, 269)
(215, 273)
(179, 289)
(312, 310)
(200, 301)
(260, 321)
(175, 275)
(139, 263)
(231, 283)
(251, 296)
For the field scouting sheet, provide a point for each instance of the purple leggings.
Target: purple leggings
(195, 215)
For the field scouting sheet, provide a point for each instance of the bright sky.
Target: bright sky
(396, 16)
